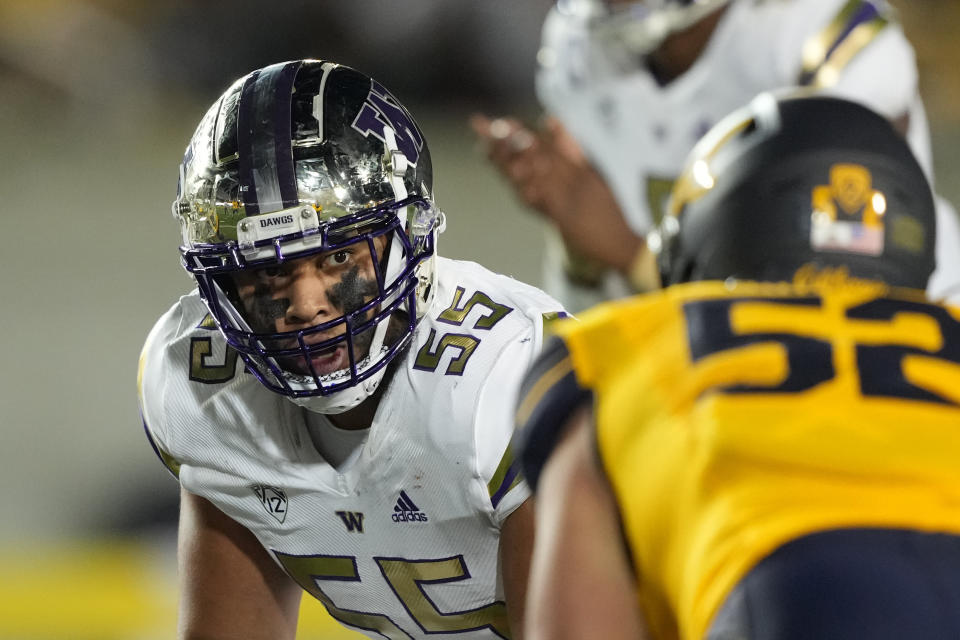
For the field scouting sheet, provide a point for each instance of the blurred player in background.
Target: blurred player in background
(629, 86)
(334, 398)
(767, 449)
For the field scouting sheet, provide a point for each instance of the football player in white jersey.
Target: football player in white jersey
(335, 399)
(630, 85)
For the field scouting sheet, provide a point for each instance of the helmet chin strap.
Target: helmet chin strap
(340, 401)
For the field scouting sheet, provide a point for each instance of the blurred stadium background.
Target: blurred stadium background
(97, 101)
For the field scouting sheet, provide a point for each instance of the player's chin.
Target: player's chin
(323, 362)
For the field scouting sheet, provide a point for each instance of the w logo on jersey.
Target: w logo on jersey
(406, 511)
(381, 108)
(273, 500)
(352, 520)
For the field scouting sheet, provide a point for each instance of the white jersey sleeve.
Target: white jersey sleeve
(189, 385)
(496, 400)
(151, 389)
(483, 333)
(157, 383)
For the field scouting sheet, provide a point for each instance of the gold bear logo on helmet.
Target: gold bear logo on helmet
(848, 213)
(851, 191)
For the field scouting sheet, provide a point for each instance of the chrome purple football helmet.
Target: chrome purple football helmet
(310, 158)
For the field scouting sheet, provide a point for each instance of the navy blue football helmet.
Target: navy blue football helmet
(794, 181)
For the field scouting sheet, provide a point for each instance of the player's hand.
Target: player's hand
(549, 172)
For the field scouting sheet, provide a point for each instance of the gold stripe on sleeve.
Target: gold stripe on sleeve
(828, 52)
(553, 375)
(168, 460)
(854, 43)
(493, 487)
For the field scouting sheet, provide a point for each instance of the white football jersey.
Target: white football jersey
(401, 541)
(637, 133)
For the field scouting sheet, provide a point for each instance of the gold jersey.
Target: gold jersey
(732, 418)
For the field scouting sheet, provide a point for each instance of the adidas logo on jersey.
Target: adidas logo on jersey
(406, 511)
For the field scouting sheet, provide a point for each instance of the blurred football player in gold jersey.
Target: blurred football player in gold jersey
(768, 448)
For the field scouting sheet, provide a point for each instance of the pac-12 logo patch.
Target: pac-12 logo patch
(379, 109)
(274, 500)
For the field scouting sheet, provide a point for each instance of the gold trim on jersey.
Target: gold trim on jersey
(141, 364)
(168, 460)
(811, 277)
(827, 53)
(405, 578)
(551, 320)
(501, 475)
(551, 377)
(697, 178)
